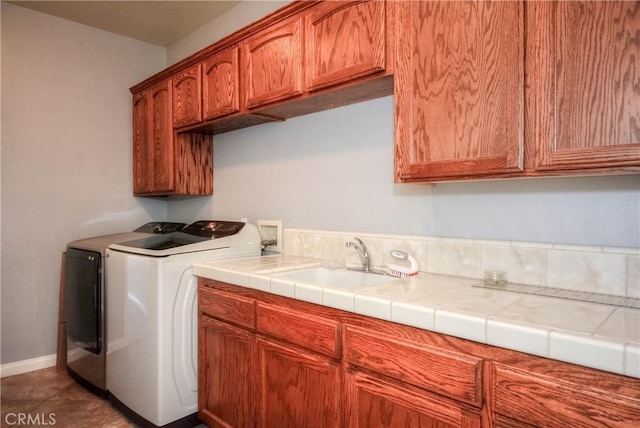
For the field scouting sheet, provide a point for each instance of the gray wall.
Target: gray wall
(334, 171)
(66, 159)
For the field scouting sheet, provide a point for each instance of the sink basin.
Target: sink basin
(342, 278)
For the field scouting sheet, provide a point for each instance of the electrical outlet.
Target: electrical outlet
(271, 234)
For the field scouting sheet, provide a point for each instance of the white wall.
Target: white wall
(334, 171)
(66, 159)
(236, 18)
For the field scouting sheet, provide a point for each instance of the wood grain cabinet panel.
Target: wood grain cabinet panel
(382, 374)
(273, 63)
(344, 41)
(552, 401)
(459, 85)
(375, 403)
(166, 162)
(449, 373)
(153, 148)
(220, 84)
(319, 334)
(584, 95)
(187, 109)
(297, 388)
(225, 374)
(227, 307)
(142, 165)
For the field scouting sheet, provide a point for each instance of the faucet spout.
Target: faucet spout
(364, 254)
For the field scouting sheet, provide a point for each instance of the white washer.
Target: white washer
(152, 318)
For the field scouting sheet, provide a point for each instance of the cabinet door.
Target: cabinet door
(374, 403)
(459, 89)
(273, 62)
(142, 169)
(554, 401)
(153, 149)
(584, 95)
(186, 97)
(220, 88)
(344, 41)
(161, 138)
(225, 374)
(296, 388)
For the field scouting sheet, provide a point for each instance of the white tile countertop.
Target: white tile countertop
(600, 336)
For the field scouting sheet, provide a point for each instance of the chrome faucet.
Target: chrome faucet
(364, 254)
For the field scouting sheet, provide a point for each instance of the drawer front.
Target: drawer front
(534, 399)
(227, 307)
(449, 373)
(308, 331)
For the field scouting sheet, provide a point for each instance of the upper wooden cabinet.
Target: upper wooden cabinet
(459, 85)
(470, 75)
(187, 108)
(220, 84)
(166, 162)
(142, 172)
(344, 41)
(153, 149)
(272, 63)
(482, 89)
(583, 98)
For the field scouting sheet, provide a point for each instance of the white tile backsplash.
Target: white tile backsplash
(633, 276)
(522, 265)
(591, 271)
(453, 257)
(603, 270)
(416, 247)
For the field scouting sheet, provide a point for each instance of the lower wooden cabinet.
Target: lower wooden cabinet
(297, 388)
(556, 399)
(270, 361)
(225, 374)
(376, 403)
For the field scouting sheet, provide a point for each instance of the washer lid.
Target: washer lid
(160, 227)
(199, 236)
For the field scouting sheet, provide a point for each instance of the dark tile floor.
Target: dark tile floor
(51, 398)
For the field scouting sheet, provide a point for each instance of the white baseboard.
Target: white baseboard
(25, 366)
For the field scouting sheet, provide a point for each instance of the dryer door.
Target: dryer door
(83, 299)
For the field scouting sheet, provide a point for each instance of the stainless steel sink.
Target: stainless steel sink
(341, 278)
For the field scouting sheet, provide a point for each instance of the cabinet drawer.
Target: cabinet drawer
(445, 372)
(546, 401)
(227, 307)
(308, 331)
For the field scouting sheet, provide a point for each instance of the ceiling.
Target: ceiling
(158, 22)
